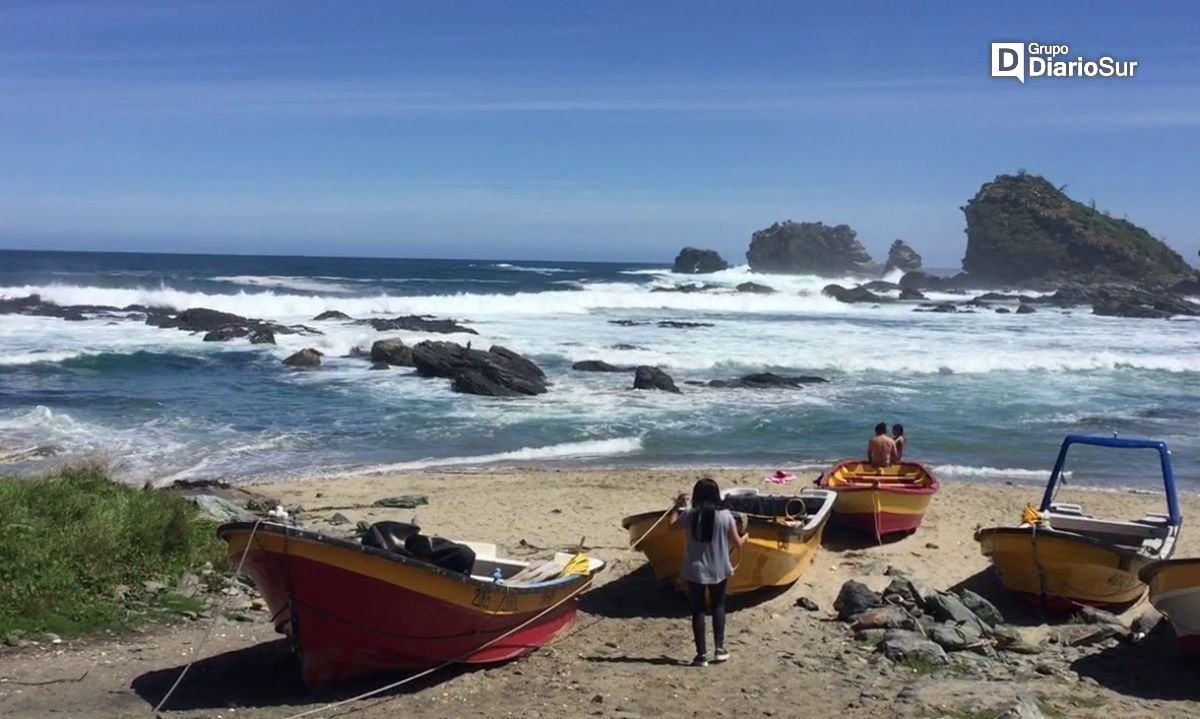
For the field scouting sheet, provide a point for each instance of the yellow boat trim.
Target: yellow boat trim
(1172, 575)
(1056, 565)
(872, 501)
(775, 555)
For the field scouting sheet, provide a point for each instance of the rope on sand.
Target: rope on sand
(211, 626)
(481, 647)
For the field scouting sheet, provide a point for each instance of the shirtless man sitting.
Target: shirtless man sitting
(881, 450)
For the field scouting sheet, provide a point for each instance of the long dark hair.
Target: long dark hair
(706, 498)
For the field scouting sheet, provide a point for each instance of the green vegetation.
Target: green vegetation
(70, 542)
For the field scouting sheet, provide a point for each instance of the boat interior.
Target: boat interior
(904, 474)
(793, 510)
(479, 560)
(1152, 534)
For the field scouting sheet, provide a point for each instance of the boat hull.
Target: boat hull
(773, 556)
(880, 512)
(1175, 591)
(350, 611)
(880, 501)
(1061, 570)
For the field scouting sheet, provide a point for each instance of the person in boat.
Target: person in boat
(881, 450)
(711, 530)
(898, 438)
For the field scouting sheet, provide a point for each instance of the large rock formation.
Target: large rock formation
(499, 372)
(808, 248)
(220, 326)
(695, 261)
(1021, 228)
(902, 257)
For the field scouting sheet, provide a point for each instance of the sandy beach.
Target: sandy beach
(624, 657)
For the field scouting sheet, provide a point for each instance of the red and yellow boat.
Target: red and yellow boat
(351, 608)
(785, 534)
(880, 501)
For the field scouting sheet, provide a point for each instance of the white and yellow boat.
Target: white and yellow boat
(785, 533)
(1061, 557)
(1175, 591)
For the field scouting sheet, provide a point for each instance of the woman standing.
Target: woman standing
(706, 566)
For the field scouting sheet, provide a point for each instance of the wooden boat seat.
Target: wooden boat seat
(1142, 528)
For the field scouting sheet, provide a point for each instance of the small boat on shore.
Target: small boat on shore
(785, 533)
(880, 501)
(1059, 556)
(1175, 591)
(399, 600)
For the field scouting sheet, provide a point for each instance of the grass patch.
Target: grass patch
(69, 539)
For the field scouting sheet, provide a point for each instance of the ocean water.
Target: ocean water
(983, 396)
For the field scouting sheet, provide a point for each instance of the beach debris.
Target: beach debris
(391, 351)
(307, 357)
(1091, 615)
(1145, 623)
(647, 377)
(219, 508)
(338, 518)
(853, 599)
(404, 501)
(807, 604)
(153, 586)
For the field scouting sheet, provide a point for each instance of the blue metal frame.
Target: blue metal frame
(1164, 456)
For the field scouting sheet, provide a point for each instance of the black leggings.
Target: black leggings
(716, 598)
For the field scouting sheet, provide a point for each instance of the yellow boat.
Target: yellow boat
(880, 501)
(1061, 557)
(1175, 591)
(785, 532)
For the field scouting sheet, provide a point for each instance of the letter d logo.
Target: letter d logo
(1008, 60)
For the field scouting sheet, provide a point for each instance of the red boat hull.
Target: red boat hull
(882, 524)
(345, 621)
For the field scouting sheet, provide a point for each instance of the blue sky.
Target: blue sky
(606, 130)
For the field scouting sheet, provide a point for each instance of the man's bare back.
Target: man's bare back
(881, 450)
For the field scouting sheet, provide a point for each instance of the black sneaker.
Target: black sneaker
(700, 661)
(720, 656)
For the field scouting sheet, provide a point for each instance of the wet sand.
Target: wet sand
(624, 658)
